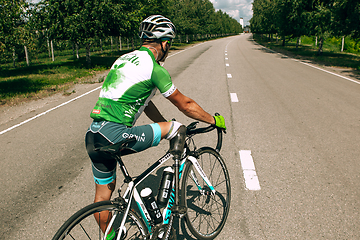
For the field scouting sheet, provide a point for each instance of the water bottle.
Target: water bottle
(165, 186)
(151, 205)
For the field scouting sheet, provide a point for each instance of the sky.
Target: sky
(235, 8)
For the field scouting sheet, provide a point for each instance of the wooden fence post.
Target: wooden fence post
(26, 56)
(52, 50)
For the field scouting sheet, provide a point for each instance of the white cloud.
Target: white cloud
(235, 8)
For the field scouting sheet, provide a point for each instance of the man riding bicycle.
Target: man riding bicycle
(126, 93)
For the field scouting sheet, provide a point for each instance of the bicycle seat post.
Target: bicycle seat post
(127, 177)
(176, 149)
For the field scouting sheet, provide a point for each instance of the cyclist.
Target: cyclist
(126, 93)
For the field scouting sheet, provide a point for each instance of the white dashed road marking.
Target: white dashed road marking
(234, 97)
(247, 163)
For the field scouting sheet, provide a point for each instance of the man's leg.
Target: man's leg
(165, 127)
(103, 193)
(175, 132)
(169, 129)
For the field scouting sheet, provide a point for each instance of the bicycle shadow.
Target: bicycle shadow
(181, 225)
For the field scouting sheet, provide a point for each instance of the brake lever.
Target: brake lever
(192, 125)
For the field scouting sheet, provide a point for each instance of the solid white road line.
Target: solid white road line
(250, 176)
(335, 74)
(30, 119)
(234, 97)
(310, 65)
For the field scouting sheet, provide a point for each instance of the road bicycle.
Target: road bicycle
(203, 199)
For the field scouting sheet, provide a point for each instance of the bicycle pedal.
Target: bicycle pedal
(159, 233)
(179, 210)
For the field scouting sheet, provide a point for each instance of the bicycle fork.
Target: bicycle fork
(203, 176)
(174, 206)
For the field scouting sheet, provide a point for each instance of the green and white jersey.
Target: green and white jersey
(129, 86)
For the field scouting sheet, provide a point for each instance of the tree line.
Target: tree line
(295, 18)
(26, 27)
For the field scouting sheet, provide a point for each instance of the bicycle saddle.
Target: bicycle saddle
(115, 148)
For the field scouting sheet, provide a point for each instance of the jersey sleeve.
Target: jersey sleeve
(162, 80)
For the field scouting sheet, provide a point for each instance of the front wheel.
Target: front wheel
(83, 225)
(206, 212)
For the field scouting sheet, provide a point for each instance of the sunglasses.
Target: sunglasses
(168, 42)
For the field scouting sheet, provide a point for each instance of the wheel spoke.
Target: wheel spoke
(84, 223)
(207, 213)
(85, 231)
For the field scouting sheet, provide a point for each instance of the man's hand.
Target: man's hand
(220, 122)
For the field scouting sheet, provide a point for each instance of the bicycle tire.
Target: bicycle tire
(206, 215)
(82, 225)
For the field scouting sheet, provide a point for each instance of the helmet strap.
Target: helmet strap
(164, 53)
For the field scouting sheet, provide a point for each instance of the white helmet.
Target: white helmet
(156, 27)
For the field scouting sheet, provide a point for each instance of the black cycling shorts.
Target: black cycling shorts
(105, 133)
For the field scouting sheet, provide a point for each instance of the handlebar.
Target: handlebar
(192, 130)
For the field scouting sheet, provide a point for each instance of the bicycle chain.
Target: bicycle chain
(158, 230)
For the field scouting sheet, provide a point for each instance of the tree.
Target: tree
(187, 18)
(346, 18)
(13, 29)
(194, 16)
(321, 21)
(83, 21)
(205, 10)
(263, 20)
(292, 18)
(161, 7)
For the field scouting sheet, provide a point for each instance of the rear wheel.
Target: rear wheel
(206, 212)
(82, 225)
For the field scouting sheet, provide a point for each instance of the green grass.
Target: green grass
(44, 77)
(331, 56)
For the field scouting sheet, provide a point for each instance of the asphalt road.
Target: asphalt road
(300, 124)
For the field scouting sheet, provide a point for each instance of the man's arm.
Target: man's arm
(190, 108)
(153, 113)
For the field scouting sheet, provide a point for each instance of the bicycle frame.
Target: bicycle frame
(131, 191)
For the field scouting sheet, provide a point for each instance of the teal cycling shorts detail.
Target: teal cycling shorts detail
(157, 134)
(103, 178)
